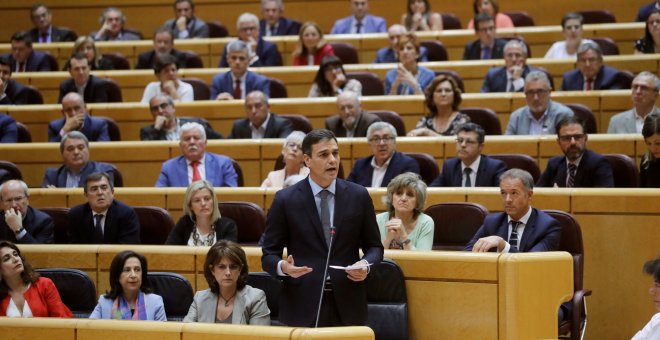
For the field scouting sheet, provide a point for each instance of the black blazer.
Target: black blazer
(57, 34)
(472, 50)
(95, 90)
(225, 229)
(121, 225)
(362, 172)
(39, 226)
(336, 125)
(36, 62)
(488, 174)
(151, 133)
(57, 176)
(284, 27)
(277, 127)
(594, 171)
(147, 59)
(16, 94)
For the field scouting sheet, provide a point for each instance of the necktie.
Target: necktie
(325, 214)
(21, 67)
(44, 38)
(237, 89)
(358, 27)
(468, 181)
(196, 176)
(513, 238)
(272, 30)
(98, 230)
(485, 52)
(570, 181)
(511, 88)
(589, 85)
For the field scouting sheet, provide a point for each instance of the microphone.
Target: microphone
(333, 231)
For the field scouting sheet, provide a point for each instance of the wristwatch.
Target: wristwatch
(406, 242)
(20, 230)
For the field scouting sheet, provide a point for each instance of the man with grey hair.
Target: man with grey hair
(385, 162)
(260, 122)
(238, 81)
(520, 228)
(167, 125)
(76, 165)
(112, 22)
(350, 120)
(590, 73)
(186, 25)
(195, 163)
(261, 52)
(644, 94)
(511, 76)
(273, 23)
(19, 222)
(541, 114)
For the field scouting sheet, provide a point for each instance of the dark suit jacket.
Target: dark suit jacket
(147, 59)
(605, 80)
(121, 225)
(57, 176)
(267, 51)
(284, 27)
(225, 229)
(39, 226)
(8, 129)
(496, 79)
(36, 62)
(57, 34)
(488, 174)
(16, 94)
(277, 127)
(293, 222)
(95, 129)
(472, 50)
(542, 232)
(335, 124)
(223, 83)
(150, 133)
(95, 91)
(362, 172)
(594, 171)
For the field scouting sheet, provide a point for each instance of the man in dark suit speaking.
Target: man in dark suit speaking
(301, 219)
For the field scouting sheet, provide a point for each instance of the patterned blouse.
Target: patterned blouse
(455, 124)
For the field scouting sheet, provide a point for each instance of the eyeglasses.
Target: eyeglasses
(378, 140)
(15, 199)
(568, 138)
(161, 106)
(531, 93)
(466, 141)
(232, 267)
(249, 28)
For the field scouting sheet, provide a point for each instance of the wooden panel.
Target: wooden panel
(121, 330)
(38, 328)
(200, 331)
(353, 333)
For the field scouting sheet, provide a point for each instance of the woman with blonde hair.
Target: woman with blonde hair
(85, 45)
(311, 46)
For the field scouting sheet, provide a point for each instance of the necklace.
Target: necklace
(199, 241)
(227, 300)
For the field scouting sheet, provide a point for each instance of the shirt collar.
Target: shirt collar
(474, 166)
(385, 165)
(317, 188)
(525, 217)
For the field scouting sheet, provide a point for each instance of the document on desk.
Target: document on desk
(355, 266)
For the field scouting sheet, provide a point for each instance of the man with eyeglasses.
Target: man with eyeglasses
(590, 74)
(470, 168)
(44, 31)
(19, 222)
(644, 94)
(166, 124)
(578, 167)
(186, 25)
(390, 54)
(511, 76)
(76, 118)
(385, 162)
(487, 46)
(541, 114)
(239, 80)
(260, 122)
(350, 120)
(261, 52)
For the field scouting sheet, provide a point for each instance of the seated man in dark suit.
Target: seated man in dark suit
(273, 22)
(260, 122)
(25, 59)
(163, 45)
(11, 91)
(103, 219)
(76, 118)
(350, 120)
(360, 21)
(389, 54)
(579, 167)
(92, 88)
(19, 222)
(8, 129)
(486, 46)
(520, 228)
(511, 76)
(76, 165)
(385, 162)
(166, 125)
(590, 73)
(44, 31)
(261, 52)
(186, 25)
(112, 22)
(470, 168)
(238, 81)
(195, 163)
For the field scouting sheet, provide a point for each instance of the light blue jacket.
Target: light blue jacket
(154, 304)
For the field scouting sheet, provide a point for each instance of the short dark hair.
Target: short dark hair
(22, 36)
(481, 17)
(192, 4)
(324, 86)
(4, 60)
(37, 6)
(76, 56)
(27, 276)
(571, 16)
(164, 29)
(163, 62)
(97, 176)
(476, 128)
(117, 267)
(652, 267)
(235, 254)
(314, 137)
(568, 121)
(651, 125)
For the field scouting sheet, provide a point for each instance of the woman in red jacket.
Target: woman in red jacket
(311, 46)
(22, 292)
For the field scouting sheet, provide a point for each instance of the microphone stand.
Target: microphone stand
(333, 230)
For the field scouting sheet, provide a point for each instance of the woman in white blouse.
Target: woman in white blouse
(168, 82)
(571, 25)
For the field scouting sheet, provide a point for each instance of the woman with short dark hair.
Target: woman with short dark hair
(166, 70)
(649, 167)
(443, 100)
(331, 79)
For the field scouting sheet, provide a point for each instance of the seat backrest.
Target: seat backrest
(549, 75)
(624, 170)
(346, 52)
(520, 18)
(455, 223)
(624, 79)
(217, 29)
(117, 178)
(435, 50)
(392, 118)
(134, 31)
(239, 173)
(278, 89)
(272, 287)
(371, 84)
(485, 117)
(33, 96)
(76, 289)
(250, 220)
(113, 91)
(387, 302)
(119, 62)
(113, 128)
(608, 45)
(598, 16)
(520, 161)
(60, 218)
(453, 74)
(52, 61)
(450, 22)
(586, 115)
(193, 60)
(570, 241)
(201, 90)
(428, 167)
(24, 135)
(299, 122)
(12, 170)
(155, 224)
(176, 291)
